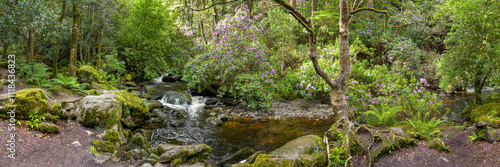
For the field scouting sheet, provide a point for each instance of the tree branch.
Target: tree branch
(303, 20)
(220, 3)
(372, 10)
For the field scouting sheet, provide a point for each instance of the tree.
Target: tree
(474, 41)
(344, 126)
(58, 41)
(75, 26)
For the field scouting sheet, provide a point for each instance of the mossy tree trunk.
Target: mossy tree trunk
(74, 39)
(58, 41)
(99, 49)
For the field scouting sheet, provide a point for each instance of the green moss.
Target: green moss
(103, 146)
(266, 160)
(128, 77)
(242, 165)
(253, 157)
(113, 137)
(176, 161)
(494, 121)
(484, 109)
(321, 159)
(132, 108)
(88, 74)
(56, 109)
(27, 101)
(94, 117)
(493, 98)
(467, 110)
(48, 128)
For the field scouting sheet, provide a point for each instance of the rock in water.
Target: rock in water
(237, 157)
(303, 145)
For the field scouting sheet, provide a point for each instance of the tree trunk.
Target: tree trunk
(58, 41)
(293, 3)
(338, 94)
(74, 40)
(32, 44)
(98, 61)
(216, 15)
(5, 45)
(28, 50)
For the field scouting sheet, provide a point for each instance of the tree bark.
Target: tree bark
(58, 41)
(32, 44)
(74, 40)
(87, 57)
(98, 61)
(5, 45)
(338, 94)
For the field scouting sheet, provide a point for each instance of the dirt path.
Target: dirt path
(463, 153)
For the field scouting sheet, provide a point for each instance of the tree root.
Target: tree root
(354, 138)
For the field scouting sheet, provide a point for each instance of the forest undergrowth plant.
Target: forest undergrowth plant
(34, 120)
(423, 127)
(36, 73)
(67, 82)
(383, 115)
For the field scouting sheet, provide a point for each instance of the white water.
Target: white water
(197, 103)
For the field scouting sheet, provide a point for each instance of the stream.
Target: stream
(261, 135)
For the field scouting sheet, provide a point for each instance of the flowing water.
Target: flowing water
(262, 135)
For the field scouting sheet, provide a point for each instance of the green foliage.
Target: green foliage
(384, 116)
(473, 56)
(143, 102)
(36, 73)
(439, 145)
(113, 66)
(474, 137)
(67, 82)
(93, 150)
(406, 57)
(424, 128)
(337, 158)
(34, 120)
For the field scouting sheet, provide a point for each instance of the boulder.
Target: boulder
(449, 89)
(171, 78)
(264, 160)
(56, 109)
(138, 141)
(103, 110)
(87, 74)
(134, 109)
(237, 157)
(177, 113)
(128, 77)
(46, 127)
(211, 101)
(214, 121)
(97, 86)
(154, 104)
(183, 153)
(467, 110)
(492, 134)
(230, 101)
(152, 92)
(174, 97)
(27, 102)
(309, 144)
(145, 132)
(487, 113)
(493, 98)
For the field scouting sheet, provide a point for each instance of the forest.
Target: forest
(308, 82)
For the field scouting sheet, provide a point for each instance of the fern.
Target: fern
(425, 129)
(35, 73)
(67, 82)
(384, 116)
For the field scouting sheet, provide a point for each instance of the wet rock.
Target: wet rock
(135, 109)
(211, 101)
(153, 93)
(138, 141)
(27, 102)
(179, 113)
(146, 164)
(46, 127)
(87, 74)
(456, 118)
(131, 84)
(174, 97)
(171, 78)
(103, 110)
(223, 117)
(144, 132)
(237, 157)
(274, 160)
(183, 153)
(154, 104)
(214, 121)
(303, 145)
(178, 123)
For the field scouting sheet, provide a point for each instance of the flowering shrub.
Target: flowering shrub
(236, 62)
(406, 57)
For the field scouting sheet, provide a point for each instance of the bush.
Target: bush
(237, 63)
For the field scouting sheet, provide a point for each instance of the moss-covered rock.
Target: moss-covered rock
(266, 160)
(56, 109)
(253, 157)
(87, 74)
(27, 101)
(139, 141)
(487, 113)
(309, 144)
(103, 146)
(467, 110)
(237, 157)
(103, 110)
(491, 134)
(128, 77)
(134, 109)
(46, 127)
(214, 121)
(183, 154)
(493, 98)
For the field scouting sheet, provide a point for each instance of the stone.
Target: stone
(153, 92)
(146, 165)
(211, 101)
(178, 123)
(145, 132)
(56, 109)
(152, 104)
(214, 121)
(76, 144)
(46, 127)
(230, 101)
(492, 134)
(487, 113)
(139, 141)
(27, 102)
(264, 160)
(449, 89)
(223, 117)
(184, 153)
(253, 157)
(103, 110)
(128, 77)
(97, 86)
(134, 109)
(493, 98)
(456, 118)
(101, 158)
(178, 113)
(87, 74)
(131, 84)
(237, 157)
(309, 144)
(174, 97)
